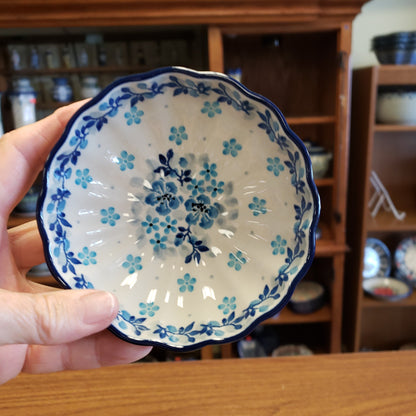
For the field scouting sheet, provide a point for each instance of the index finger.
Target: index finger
(23, 153)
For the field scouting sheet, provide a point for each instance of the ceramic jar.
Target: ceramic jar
(90, 87)
(62, 91)
(23, 100)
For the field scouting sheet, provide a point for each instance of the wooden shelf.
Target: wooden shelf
(15, 220)
(324, 182)
(369, 302)
(81, 70)
(298, 120)
(286, 316)
(386, 221)
(45, 280)
(396, 74)
(394, 128)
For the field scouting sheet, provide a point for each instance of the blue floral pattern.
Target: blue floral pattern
(109, 216)
(231, 147)
(173, 186)
(258, 206)
(178, 135)
(186, 283)
(125, 161)
(83, 178)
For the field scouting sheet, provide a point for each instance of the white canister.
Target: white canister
(23, 99)
(90, 87)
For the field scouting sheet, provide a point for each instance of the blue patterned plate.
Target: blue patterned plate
(187, 196)
(377, 259)
(405, 260)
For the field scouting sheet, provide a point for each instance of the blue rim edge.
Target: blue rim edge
(291, 134)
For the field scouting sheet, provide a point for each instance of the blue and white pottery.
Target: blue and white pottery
(377, 259)
(405, 260)
(62, 91)
(188, 197)
(23, 100)
(387, 288)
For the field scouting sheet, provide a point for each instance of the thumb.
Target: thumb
(54, 317)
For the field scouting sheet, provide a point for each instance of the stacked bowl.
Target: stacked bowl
(397, 48)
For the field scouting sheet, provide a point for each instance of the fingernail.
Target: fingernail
(98, 307)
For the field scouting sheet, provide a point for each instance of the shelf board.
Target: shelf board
(15, 220)
(286, 317)
(80, 70)
(396, 74)
(325, 248)
(395, 128)
(310, 120)
(324, 182)
(369, 302)
(45, 280)
(386, 221)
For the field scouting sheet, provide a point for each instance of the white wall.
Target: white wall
(379, 17)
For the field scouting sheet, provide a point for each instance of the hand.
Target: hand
(44, 329)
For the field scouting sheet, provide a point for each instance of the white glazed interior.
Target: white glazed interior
(256, 251)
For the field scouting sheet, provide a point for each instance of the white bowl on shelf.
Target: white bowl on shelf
(396, 106)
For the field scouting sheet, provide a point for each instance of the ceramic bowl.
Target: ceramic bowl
(386, 288)
(321, 160)
(396, 106)
(308, 297)
(188, 197)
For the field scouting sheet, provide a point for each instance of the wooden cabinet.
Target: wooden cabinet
(295, 53)
(389, 150)
(305, 72)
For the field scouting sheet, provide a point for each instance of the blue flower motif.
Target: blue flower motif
(110, 216)
(132, 263)
(208, 171)
(83, 178)
(87, 257)
(215, 188)
(201, 210)
(231, 147)
(178, 134)
(169, 225)
(211, 108)
(196, 187)
(125, 161)
(150, 224)
(158, 242)
(274, 165)
(187, 283)
(278, 245)
(133, 116)
(148, 309)
(227, 305)
(236, 260)
(258, 206)
(163, 195)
